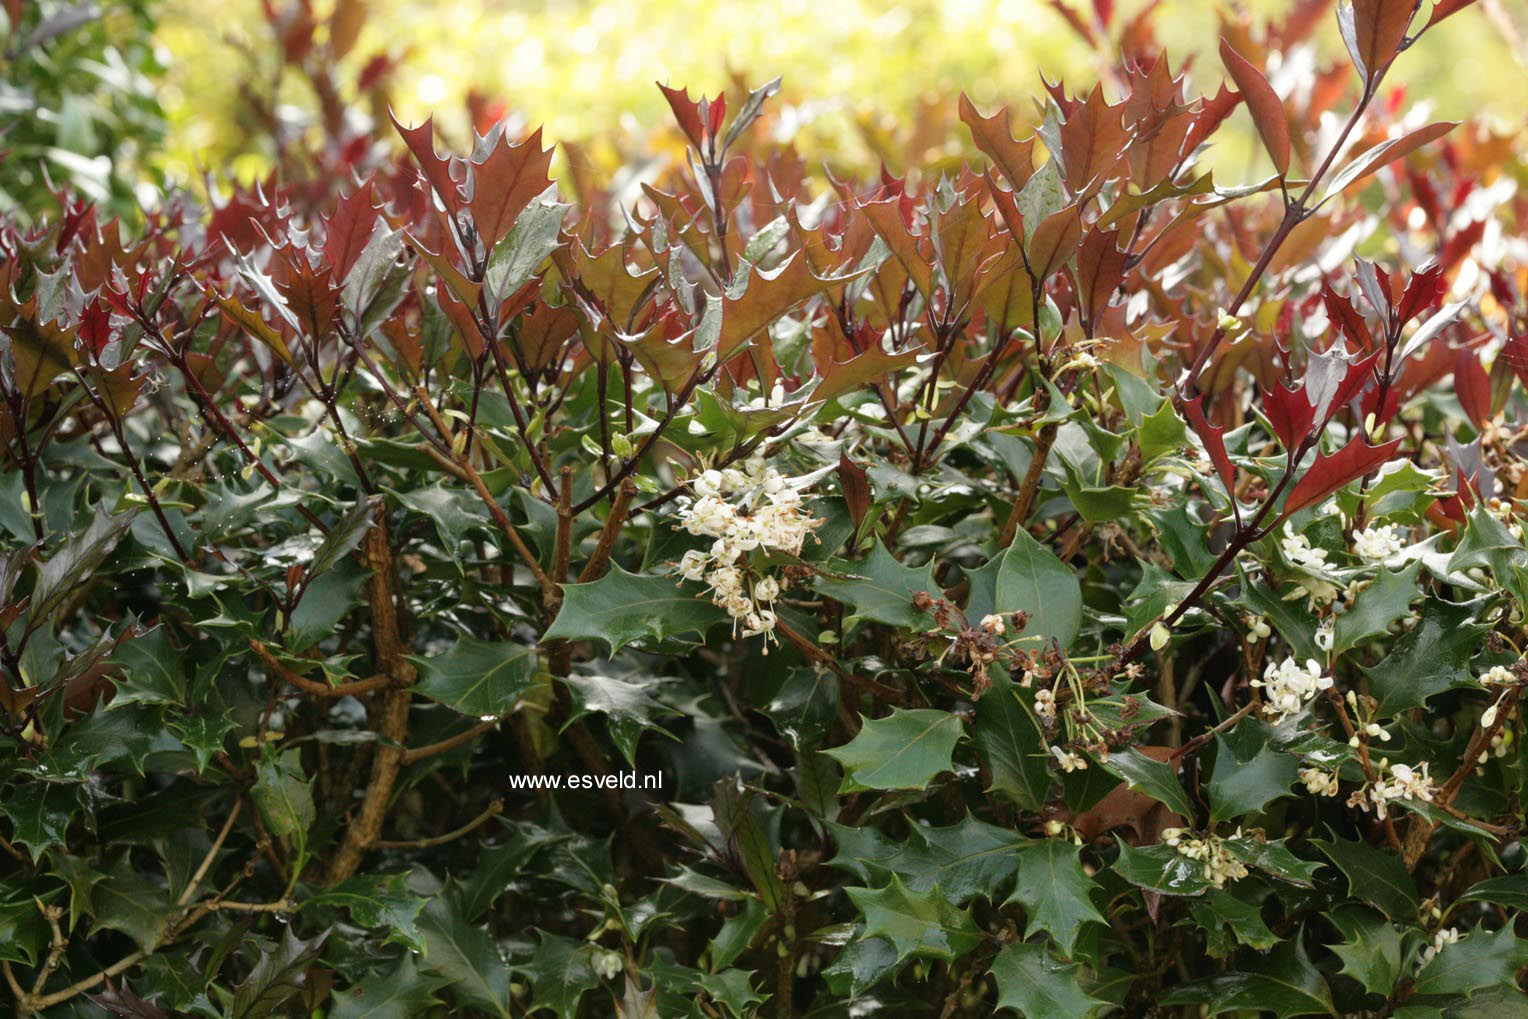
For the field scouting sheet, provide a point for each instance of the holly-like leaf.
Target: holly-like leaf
(284, 794)
(1285, 983)
(880, 589)
(277, 977)
(1162, 869)
(1375, 875)
(904, 750)
(1373, 950)
(465, 957)
(1430, 658)
(1223, 910)
(127, 901)
(1385, 601)
(561, 972)
(1037, 986)
(1054, 891)
(40, 813)
(402, 993)
(1009, 739)
(1510, 890)
(153, 670)
(478, 678)
(626, 702)
(1032, 580)
(621, 608)
(965, 860)
(922, 924)
(77, 559)
(1147, 775)
(1331, 471)
(378, 902)
(1248, 772)
(1474, 963)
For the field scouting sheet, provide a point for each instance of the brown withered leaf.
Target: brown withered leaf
(1126, 808)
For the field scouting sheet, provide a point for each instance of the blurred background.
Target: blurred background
(121, 98)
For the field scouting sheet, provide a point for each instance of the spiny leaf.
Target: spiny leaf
(904, 750)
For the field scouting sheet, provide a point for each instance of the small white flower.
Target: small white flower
(608, 964)
(692, 565)
(1499, 675)
(993, 624)
(1070, 761)
(1319, 782)
(1299, 551)
(1289, 686)
(1376, 544)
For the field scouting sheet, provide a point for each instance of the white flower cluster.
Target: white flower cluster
(1404, 783)
(1319, 781)
(1045, 704)
(743, 510)
(1219, 865)
(1299, 551)
(1289, 686)
(1499, 675)
(1376, 544)
(1446, 936)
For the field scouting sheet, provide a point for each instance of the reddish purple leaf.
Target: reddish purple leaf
(1214, 443)
(1333, 470)
(1267, 108)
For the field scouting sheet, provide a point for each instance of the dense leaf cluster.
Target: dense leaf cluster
(1063, 584)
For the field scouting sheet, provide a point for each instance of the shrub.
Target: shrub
(1065, 585)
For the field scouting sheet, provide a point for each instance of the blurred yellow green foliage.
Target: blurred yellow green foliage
(856, 71)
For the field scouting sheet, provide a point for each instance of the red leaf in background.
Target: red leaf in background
(856, 488)
(1425, 288)
(993, 136)
(350, 228)
(1052, 243)
(1100, 268)
(1373, 31)
(716, 114)
(95, 326)
(505, 182)
(1333, 470)
(1290, 414)
(1267, 108)
(1211, 115)
(687, 113)
(437, 171)
(1093, 138)
(1346, 318)
(1387, 152)
(1444, 8)
(1515, 350)
(1473, 387)
(1214, 443)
